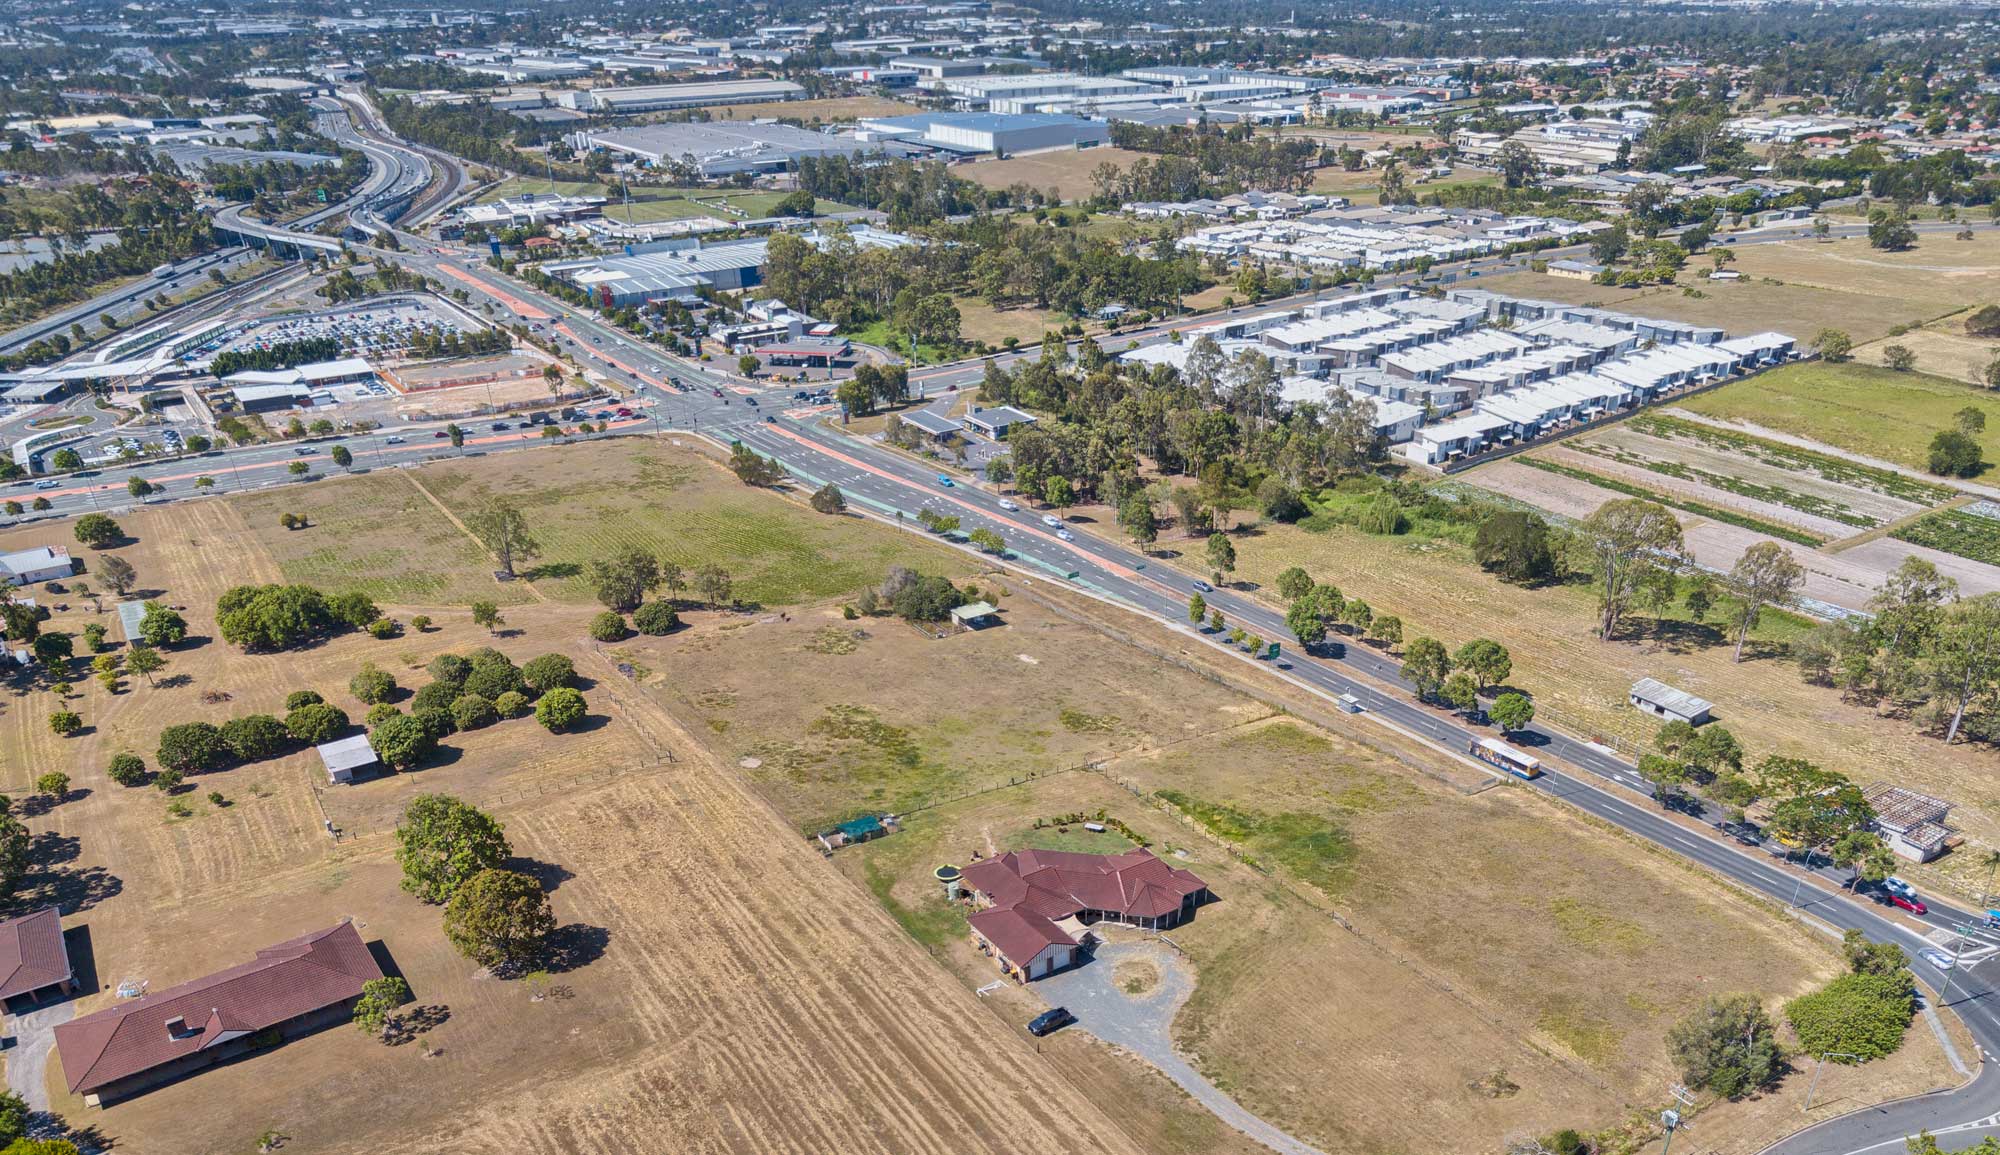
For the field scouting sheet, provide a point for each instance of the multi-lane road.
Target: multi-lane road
(885, 482)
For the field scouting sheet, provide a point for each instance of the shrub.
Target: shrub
(372, 684)
(421, 623)
(169, 781)
(472, 712)
(655, 618)
(436, 696)
(126, 769)
(608, 626)
(402, 741)
(255, 737)
(65, 722)
(492, 679)
(54, 783)
(559, 709)
(1726, 1045)
(511, 705)
(1858, 1014)
(190, 747)
(162, 627)
(379, 713)
(316, 722)
(384, 628)
(450, 668)
(298, 698)
(547, 672)
(436, 719)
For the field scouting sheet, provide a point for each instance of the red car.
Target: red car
(624, 413)
(1910, 903)
(440, 433)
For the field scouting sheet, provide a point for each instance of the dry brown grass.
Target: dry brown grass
(833, 110)
(741, 997)
(1067, 171)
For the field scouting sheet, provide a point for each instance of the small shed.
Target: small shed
(976, 616)
(131, 615)
(34, 960)
(344, 757)
(866, 828)
(1663, 701)
(1912, 824)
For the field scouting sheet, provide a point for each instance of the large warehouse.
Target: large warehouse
(666, 271)
(698, 94)
(980, 92)
(983, 132)
(721, 148)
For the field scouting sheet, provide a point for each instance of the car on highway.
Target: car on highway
(1050, 1021)
(1895, 885)
(499, 425)
(1007, 505)
(440, 433)
(1936, 958)
(751, 402)
(1910, 903)
(1744, 832)
(945, 481)
(392, 440)
(1203, 586)
(49, 484)
(770, 420)
(1065, 535)
(305, 451)
(1052, 521)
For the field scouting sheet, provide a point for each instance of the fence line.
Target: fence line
(597, 777)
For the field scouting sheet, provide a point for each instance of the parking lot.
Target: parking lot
(377, 328)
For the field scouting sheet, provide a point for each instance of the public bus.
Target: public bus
(1494, 752)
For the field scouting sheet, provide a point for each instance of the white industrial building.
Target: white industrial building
(986, 132)
(695, 94)
(978, 93)
(721, 148)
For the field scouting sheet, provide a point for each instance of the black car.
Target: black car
(499, 425)
(1744, 832)
(1050, 1021)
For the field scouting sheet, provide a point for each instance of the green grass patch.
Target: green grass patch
(1594, 930)
(1862, 408)
(932, 922)
(1956, 532)
(1078, 722)
(880, 334)
(1072, 838)
(1701, 509)
(1316, 850)
(585, 502)
(1588, 1038)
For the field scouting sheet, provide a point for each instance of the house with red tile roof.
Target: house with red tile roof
(33, 958)
(1024, 894)
(288, 990)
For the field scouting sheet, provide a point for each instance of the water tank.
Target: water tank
(950, 877)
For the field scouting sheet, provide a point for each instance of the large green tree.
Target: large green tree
(1628, 545)
(442, 842)
(499, 918)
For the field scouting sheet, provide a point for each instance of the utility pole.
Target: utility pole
(1964, 932)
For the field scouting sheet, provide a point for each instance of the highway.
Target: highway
(886, 483)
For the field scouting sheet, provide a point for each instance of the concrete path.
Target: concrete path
(28, 1058)
(1142, 1025)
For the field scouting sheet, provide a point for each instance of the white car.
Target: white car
(1008, 505)
(1065, 535)
(1052, 521)
(393, 440)
(1937, 958)
(1896, 885)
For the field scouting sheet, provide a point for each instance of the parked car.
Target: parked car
(945, 481)
(1936, 958)
(624, 412)
(1007, 505)
(1052, 521)
(1907, 902)
(1050, 1021)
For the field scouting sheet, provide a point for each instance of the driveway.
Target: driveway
(28, 1058)
(1142, 1024)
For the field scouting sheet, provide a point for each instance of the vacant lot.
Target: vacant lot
(1741, 307)
(1868, 410)
(378, 533)
(980, 321)
(834, 110)
(834, 717)
(1067, 171)
(1578, 681)
(584, 502)
(651, 203)
(1942, 349)
(725, 991)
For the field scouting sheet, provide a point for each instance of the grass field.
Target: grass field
(651, 203)
(585, 501)
(1067, 171)
(842, 717)
(377, 533)
(1581, 683)
(728, 993)
(1869, 410)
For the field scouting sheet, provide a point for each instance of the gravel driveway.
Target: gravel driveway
(1142, 1025)
(28, 1058)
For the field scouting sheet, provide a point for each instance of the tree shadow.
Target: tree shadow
(559, 569)
(574, 946)
(74, 890)
(549, 874)
(589, 724)
(174, 682)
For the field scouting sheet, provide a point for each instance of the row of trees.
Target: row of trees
(285, 617)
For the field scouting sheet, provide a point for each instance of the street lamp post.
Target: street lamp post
(1964, 932)
(1815, 1079)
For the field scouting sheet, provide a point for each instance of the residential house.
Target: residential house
(1023, 895)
